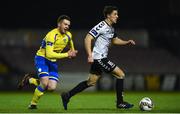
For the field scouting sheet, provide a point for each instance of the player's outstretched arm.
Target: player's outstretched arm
(118, 41)
(53, 55)
(87, 43)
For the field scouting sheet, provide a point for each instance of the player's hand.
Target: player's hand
(90, 59)
(131, 42)
(72, 53)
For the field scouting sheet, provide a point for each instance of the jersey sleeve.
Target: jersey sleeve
(97, 30)
(115, 35)
(50, 39)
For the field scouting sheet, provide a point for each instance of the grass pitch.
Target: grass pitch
(93, 102)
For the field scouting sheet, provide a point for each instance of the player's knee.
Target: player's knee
(44, 84)
(121, 75)
(118, 73)
(91, 83)
(51, 88)
(92, 80)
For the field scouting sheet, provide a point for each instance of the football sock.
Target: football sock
(34, 81)
(80, 87)
(39, 91)
(119, 90)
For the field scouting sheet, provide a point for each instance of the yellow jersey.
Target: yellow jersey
(54, 43)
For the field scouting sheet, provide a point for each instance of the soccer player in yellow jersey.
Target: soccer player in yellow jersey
(45, 60)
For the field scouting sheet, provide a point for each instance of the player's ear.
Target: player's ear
(59, 24)
(108, 15)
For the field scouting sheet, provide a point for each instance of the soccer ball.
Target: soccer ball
(146, 104)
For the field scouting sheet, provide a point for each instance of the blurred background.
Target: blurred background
(152, 65)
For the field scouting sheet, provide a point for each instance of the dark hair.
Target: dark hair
(62, 17)
(108, 10)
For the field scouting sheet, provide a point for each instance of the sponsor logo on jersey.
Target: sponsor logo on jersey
(94, 32)
(100, 26)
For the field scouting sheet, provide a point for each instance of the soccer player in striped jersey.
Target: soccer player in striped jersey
(45, 60)
(104, 35)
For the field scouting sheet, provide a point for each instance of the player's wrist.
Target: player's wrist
(72, 53)
(69, 53)
(89, 55)
(128, 42)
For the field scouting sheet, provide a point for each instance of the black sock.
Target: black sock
(80, 87)
(119, 90)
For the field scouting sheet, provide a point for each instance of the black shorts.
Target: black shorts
(100, 65)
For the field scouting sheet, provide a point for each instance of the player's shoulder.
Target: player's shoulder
(51, 34)
(101, 24)
(69, 34)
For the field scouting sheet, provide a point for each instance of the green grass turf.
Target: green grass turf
(99, 102)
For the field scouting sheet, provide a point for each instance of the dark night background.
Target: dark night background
(154, 25)
(133, 13)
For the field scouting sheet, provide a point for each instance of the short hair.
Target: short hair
(108, 10)
(62, 17)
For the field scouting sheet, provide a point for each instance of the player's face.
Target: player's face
(64, 26)
(113, 16)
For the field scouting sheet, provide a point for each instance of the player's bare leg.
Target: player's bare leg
(52, 84)
(79, 88)
(119, 74)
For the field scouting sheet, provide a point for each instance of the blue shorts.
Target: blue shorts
(45, 67)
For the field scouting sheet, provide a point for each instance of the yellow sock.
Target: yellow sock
(34, 81)
(39, 91)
